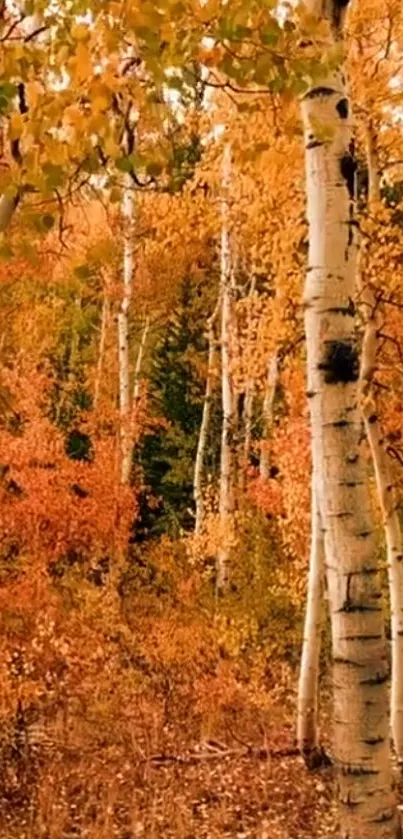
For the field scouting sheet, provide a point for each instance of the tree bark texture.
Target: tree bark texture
(204, 426)
(308, 685)
(388, 500)
(367, 804)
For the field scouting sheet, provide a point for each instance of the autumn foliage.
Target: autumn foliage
(134, 700)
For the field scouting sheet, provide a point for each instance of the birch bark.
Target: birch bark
(123, 331)
(101, 351)
(384, 482)
(139, 360)
(228, 407)
(249, 389)
(367, 803)
(268, 401)
(204, 426)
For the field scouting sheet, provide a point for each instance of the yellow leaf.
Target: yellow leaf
(83, 62)
(33, 91)
(16, 126)
(80, 32)
(111, 147)
(99, 104)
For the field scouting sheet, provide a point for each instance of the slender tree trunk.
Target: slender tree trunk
(204, 427)
(385, 486)
(123, 332)
(227, 459)
(101, 351)
(307, 721)
(248, 419)
(249, 389)
(367, 804)
(7, 210)
(139, 361)
(268, 401)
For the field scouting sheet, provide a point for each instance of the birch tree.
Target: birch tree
(101, 351)
(139, 360)
(384, 482)
(267, 413)
(249, 384)
(123, 331)
(228, 408)
(361, 748)
(204, 426)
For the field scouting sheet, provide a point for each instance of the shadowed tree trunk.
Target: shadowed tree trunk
(101, 351)
(267, 414)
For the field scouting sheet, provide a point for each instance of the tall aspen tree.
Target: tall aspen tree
(385, 486)
(204, 426)
(367, 802)
(123, 330)
(226, 500)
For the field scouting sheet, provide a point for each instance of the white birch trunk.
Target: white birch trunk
(101, 351)
(139, 360)
(204, 427)
(268, 401)
(123, 332)
(386, 490)
(227, 464)
(249, 390)
(308, 685)
(367, 804)
(248, 418)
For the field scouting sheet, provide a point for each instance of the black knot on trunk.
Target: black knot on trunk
(340, 363)
(342, 108)
(338, 10)
(348, 168)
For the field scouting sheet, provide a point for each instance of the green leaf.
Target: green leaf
(7, 93)
(175, 82)
(124, 164)
(269, 37)
(153, 168)
(53, 174)
(299, 86)
(264, 68)
(83, 272)
(277, 84)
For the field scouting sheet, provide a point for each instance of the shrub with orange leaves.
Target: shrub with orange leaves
(57, 509)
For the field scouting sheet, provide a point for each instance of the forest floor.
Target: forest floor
(210, 791)
(235, 796)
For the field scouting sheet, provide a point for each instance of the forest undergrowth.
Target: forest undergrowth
(142, 706)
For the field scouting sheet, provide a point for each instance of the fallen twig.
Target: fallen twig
(219, 754)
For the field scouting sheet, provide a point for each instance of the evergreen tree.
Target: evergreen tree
(167, 455)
